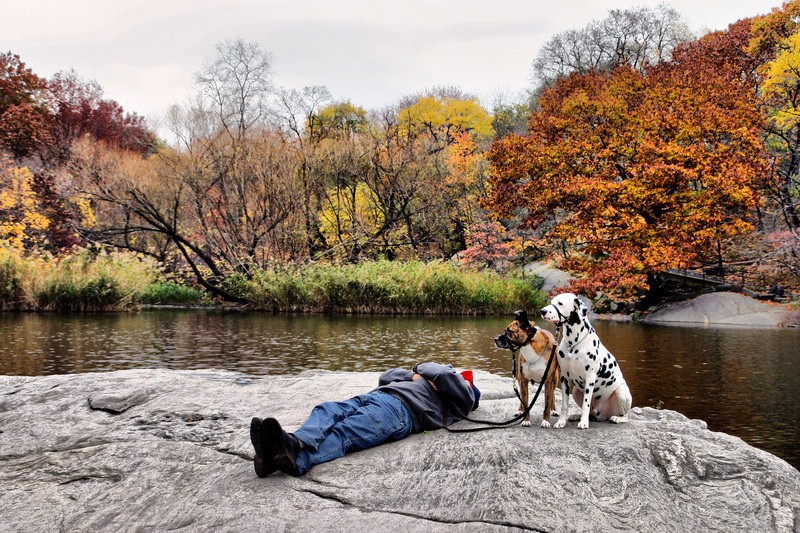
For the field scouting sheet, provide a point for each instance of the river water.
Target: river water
(743, 381)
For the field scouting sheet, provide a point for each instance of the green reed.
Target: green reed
(85, 280)
(436, 287)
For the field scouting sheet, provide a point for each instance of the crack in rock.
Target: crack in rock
(113, 477)
(346, 503)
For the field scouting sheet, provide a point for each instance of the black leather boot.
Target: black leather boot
(262, 462)
(284, 447)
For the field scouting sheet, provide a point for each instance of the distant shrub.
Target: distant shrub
(171, 293)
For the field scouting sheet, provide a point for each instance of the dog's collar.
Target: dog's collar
(561, 318)
(515, 347)
(588, 332)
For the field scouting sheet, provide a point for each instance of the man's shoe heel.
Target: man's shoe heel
(262, 462)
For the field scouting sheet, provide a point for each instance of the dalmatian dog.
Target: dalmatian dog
(588, 370)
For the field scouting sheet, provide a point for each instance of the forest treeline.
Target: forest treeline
(638, 148)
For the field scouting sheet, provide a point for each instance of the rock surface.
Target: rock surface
(552, 277)
(726, 308)
(157, 450)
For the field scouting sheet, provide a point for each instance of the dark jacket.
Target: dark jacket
(428, 407)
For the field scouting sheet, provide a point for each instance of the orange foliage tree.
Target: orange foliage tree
(638, 171)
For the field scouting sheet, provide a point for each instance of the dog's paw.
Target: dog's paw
(575, 416)
(545, 424)
(561, 423)
(583, 425)
(518, 413)
(526, 423)
(618, 419)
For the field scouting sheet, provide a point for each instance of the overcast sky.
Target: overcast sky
(144, 53)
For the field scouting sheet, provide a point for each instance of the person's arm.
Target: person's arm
(396, 374)
(453, 388)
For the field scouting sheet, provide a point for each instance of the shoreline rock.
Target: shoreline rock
(140, 450)
(726, 308)
(552, 276)
(716, 308)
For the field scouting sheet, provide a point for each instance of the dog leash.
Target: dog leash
(497, 425)
(514, 352)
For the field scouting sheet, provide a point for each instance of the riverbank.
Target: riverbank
(162, 450)
(387, 287)
(91, 280)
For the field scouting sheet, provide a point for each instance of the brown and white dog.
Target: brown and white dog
(535, 350)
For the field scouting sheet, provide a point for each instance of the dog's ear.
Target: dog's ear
(580, 306)
(521, 317)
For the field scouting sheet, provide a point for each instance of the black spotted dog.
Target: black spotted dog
(588, 370)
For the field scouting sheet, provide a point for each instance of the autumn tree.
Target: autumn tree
(441, 118)
(776, 42)
(336, 119)
(380, 184)
(22, 221)
(296, 112)
(775, 48)
(224, 199)
(23, 113)
(347, 210)
(638, 170)
(410, 179)
(77, 108)
(488, 245)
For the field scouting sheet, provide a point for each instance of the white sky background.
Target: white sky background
(144, 53)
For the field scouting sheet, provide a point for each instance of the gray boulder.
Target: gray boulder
(157, 450)
(551, 275)
(725, 308)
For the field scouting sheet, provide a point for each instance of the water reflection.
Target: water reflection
(741, 381)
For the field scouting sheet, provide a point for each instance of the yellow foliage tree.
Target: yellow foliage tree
(20, 211)
(350, 217)
(443, 118)
(782, 81)
(337, 119)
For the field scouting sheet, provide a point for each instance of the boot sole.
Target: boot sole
(262, 462)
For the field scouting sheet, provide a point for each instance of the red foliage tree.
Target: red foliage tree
(23, 115)
(489, 245)
(78, 109)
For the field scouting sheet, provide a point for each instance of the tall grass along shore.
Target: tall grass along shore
(90, 280)
(383, 287)
(86, 280)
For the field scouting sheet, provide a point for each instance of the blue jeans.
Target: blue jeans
(336, 428)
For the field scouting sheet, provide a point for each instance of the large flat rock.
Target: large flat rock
(157, 450)
(726, 308)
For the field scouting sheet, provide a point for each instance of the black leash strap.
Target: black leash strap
(497, 425)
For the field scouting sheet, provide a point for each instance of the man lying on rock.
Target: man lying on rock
(406, 401)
